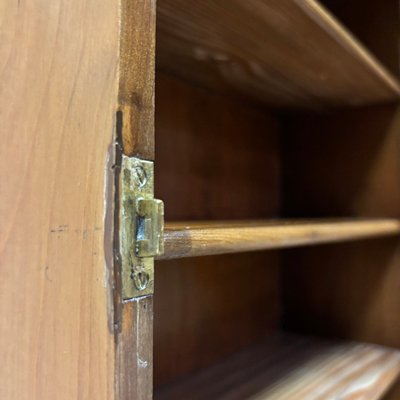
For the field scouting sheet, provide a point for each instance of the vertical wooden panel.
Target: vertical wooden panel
(134, 319)
(58, 96)
(136, 80)
(135, 351)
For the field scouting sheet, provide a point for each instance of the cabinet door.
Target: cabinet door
(65, 334)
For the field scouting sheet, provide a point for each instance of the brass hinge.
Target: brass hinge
(141, 219)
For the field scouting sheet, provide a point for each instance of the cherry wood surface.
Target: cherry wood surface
(58, 94)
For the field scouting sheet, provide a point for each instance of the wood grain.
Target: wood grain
(292, 368)
(191, 239)
(281, 52)
(344, 290)
(343, 163)
(135, 129)
(216, 158)
(136, 77)
(347, 290)
(134, 374)
(203, 312)
(57, 100)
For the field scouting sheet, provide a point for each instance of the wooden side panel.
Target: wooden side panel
(213, 156)
(345, 164)
(58, 96)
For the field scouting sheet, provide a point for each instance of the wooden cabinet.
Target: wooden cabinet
(270, 130)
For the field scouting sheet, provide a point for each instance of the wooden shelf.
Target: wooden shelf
(293, 368)
(190, 239)
(282, 52)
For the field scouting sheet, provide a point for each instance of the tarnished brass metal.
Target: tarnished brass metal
(141, 220)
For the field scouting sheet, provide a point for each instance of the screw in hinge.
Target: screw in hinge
(140, 175)
(140, 279)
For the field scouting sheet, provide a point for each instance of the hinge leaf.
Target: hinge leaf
(141, 227)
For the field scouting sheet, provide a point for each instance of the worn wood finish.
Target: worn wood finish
(136, 77)
(134, 374)
(57, 101)
(292, 368)
(190, 239)
(213, 157)
(135, 129)
(348, 290)
(283, 52)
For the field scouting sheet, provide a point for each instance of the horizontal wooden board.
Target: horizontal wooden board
(291, 368)
(282, 52)
(190, 239)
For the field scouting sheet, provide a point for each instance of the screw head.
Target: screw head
(140, 279)
(140, 175)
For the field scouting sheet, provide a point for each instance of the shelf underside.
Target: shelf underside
(280, 52)
(190, 239)
(287, 367)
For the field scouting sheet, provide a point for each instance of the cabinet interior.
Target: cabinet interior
(231, 148)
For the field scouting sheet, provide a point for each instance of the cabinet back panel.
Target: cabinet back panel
(216, 159)
(348, 290)
(344, 164)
